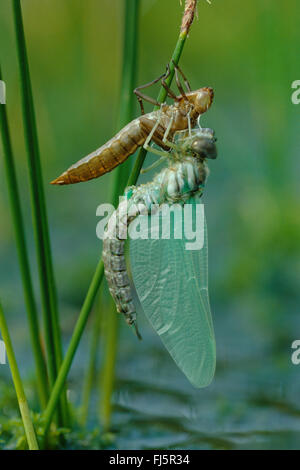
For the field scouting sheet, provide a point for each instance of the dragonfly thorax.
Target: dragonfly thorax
(200, 101)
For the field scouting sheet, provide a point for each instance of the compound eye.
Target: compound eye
(198, 145)
(205, 148)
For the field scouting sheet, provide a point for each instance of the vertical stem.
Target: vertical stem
(161, 98)
(120, 177)
(17, 217)
(92, 365)
(40, 222)
(23, 405)
(108, 369)
(128, 77)
(126, 114)
(67, 362)
(98, 275)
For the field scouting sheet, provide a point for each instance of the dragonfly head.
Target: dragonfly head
(203, 144)
(200, 100)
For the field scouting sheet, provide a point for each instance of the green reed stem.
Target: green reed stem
(18, 223)
(23, 405)
(64, 409)
(98, 275)
(127, 101)
(128, 78)
(107, 376)
(126, 114)
(67, 362)
(40, 221)
(92, 364)
(161, 98)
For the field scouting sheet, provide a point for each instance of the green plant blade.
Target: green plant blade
(39, 214)
(18, 223)
(173, 292)
(22, 401)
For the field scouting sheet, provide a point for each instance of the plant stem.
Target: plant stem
(127, 100)
(67, 362)
(109, 365)
(98, 276)
(126, 114)
(17, 217)
(128, 77)
(40, 222)
(161, 98)
(23, 405)
(91, 370)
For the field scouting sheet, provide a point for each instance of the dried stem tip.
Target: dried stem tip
(188, 16)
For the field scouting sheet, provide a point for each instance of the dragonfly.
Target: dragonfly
(170, 281)
(156, 126)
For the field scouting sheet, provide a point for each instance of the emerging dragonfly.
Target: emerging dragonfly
(157, 125)
(171, 282)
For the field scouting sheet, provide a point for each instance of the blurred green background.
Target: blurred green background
(249, 53)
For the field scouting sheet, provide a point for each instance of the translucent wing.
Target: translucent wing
(172, 285)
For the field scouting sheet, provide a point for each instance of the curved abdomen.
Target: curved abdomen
(107, 157)
(171, 185)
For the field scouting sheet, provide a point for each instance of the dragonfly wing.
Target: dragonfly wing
(172, 285)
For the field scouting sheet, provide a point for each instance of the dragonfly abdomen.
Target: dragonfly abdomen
(115, 263)
(174, 184)
(107, 157)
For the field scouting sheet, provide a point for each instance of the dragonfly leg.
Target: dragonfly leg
(160, 153)
(142, 96)
(186, 82)
(198, 122)
(134, 324)
(157, 163)
(179, 85)
(189, 123)
(172, 146)
(170, 93)
(165, 140)
(146, 144)
(167, 131)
